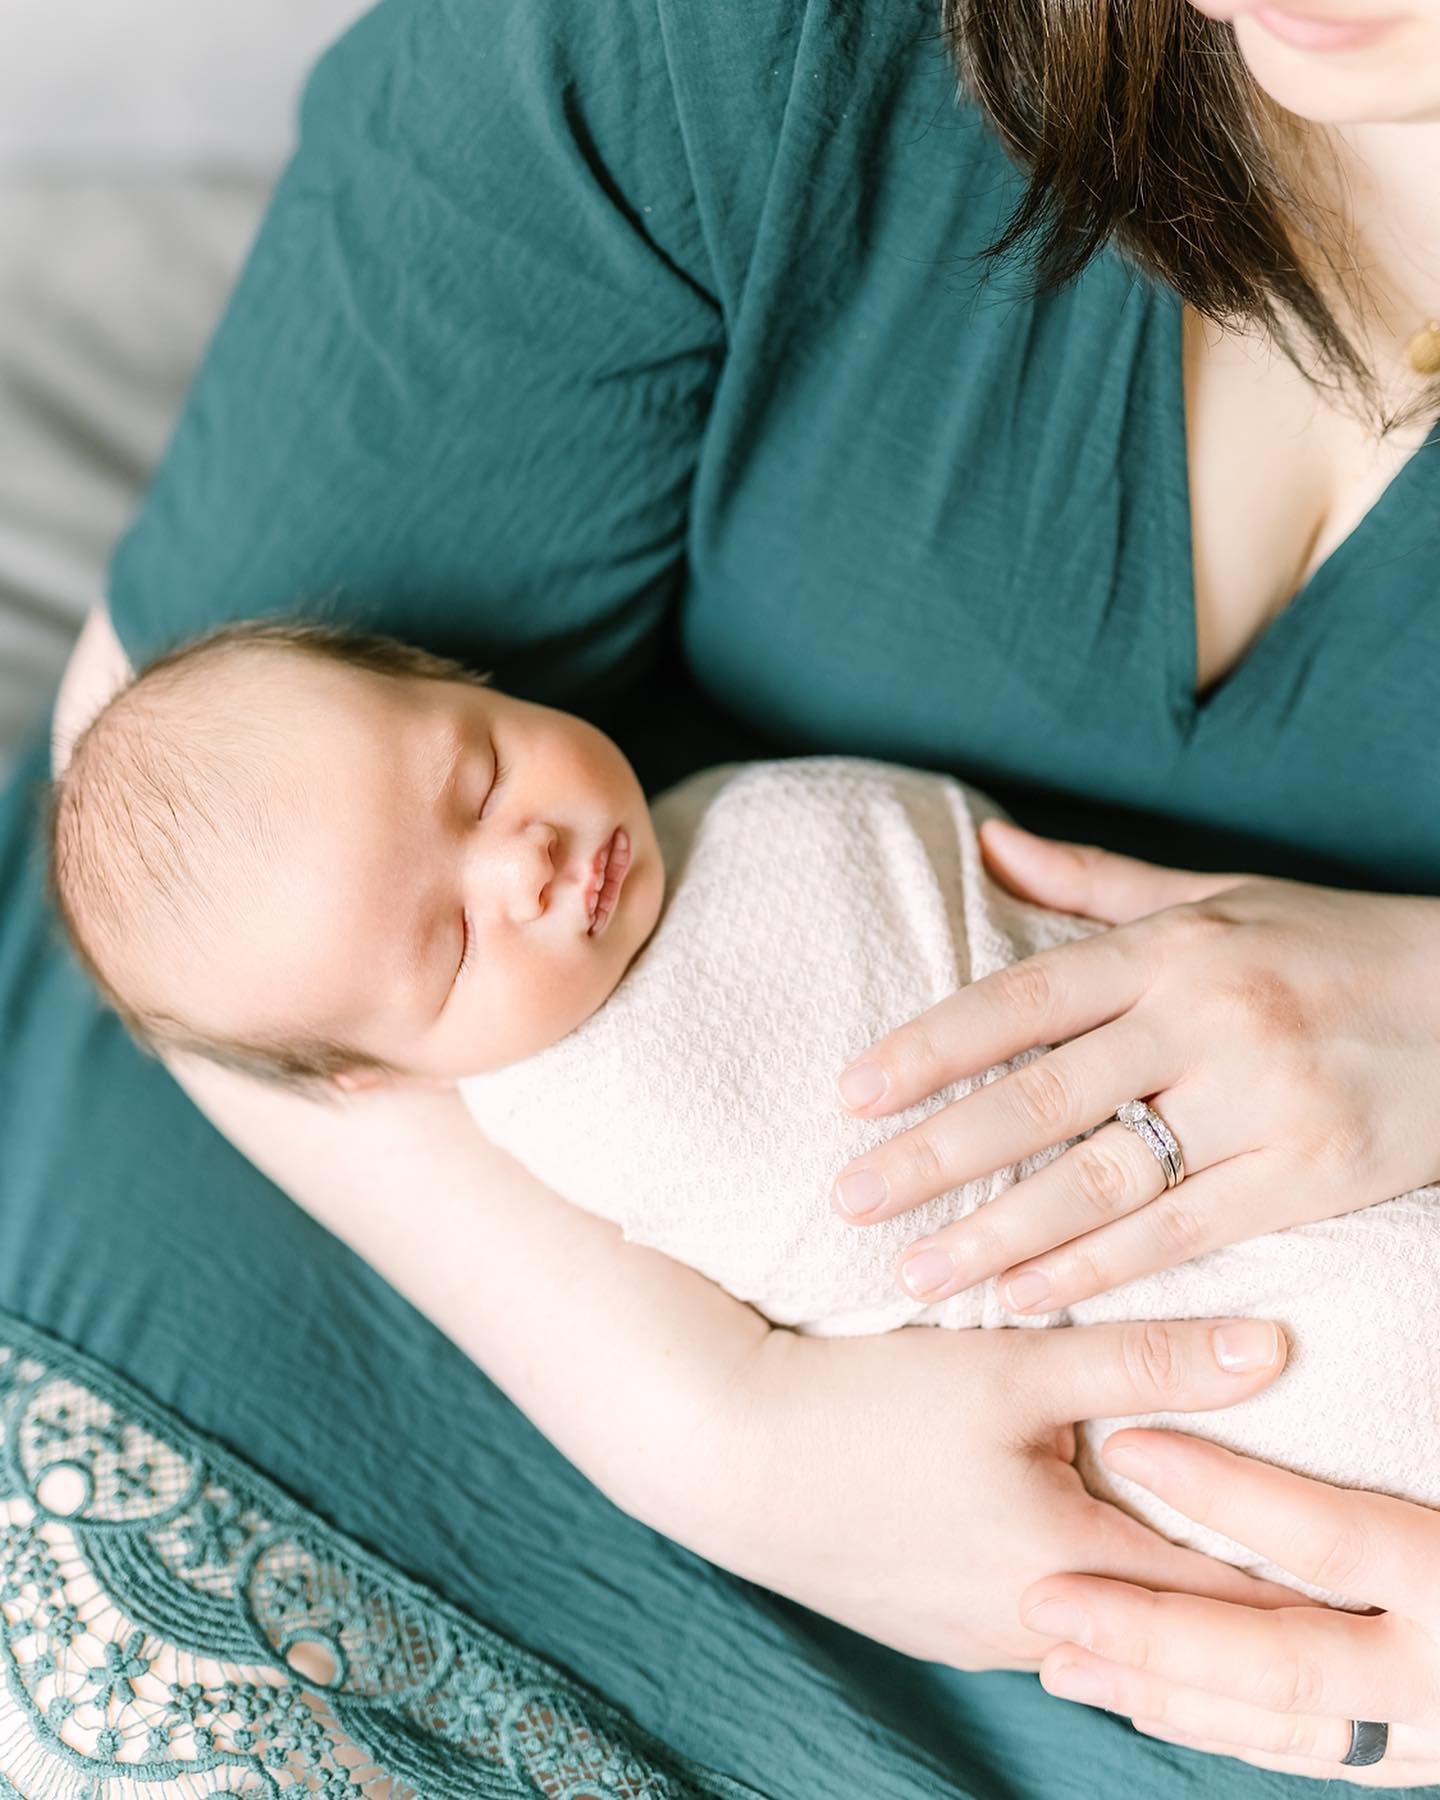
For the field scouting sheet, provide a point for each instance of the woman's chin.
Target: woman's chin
(1367, 86)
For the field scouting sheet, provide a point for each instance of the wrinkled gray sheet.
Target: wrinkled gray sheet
(108, 292)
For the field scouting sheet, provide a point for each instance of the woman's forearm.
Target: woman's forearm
(823, 1469)
(631, 1364)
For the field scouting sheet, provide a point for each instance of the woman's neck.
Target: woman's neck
(1380, 182)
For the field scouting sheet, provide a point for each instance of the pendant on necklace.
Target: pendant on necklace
(1423, 350)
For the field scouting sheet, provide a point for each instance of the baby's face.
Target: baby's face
(430, 898)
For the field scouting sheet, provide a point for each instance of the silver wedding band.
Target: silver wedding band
(1369, 1741)
(1153, 1132)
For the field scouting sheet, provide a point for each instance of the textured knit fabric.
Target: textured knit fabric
(810, 906)
(634, 349)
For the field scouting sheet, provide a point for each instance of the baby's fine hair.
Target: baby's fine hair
(160, 775)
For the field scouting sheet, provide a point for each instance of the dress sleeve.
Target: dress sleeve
(458, 391)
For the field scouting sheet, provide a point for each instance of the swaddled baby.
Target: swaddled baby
(324, 858)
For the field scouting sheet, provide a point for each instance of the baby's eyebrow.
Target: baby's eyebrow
(447, 765)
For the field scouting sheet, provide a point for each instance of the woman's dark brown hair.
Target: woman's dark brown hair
(1138, 121)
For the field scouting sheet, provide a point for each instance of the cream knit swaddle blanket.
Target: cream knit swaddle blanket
(810, 906)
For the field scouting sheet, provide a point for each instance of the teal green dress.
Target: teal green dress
(639, 353)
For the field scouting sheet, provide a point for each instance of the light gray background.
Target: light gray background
(138, 142)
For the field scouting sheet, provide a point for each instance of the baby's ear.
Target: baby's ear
(359, 1081)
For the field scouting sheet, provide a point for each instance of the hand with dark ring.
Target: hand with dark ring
(1306, 1689)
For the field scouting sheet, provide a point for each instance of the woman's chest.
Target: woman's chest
(1278, 479)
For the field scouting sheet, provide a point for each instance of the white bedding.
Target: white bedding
(108, 291)
(157, 84)
(138, 143)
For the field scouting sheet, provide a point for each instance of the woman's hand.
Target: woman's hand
(912, 1485)
(1289, 1036)
(909, 1485)
(1278, 1688)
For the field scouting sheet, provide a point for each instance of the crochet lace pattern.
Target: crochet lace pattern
(172, 1624)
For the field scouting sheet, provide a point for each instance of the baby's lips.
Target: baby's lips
(612, 865)
(595, 880)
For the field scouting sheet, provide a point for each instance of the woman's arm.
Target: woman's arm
(627, 1361)
(787, 1460)
(620, 1386)
(97, 669)
(622, 1365)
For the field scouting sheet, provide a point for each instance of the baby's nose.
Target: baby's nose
(534, 871)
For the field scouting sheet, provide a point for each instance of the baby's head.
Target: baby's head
(325, 857)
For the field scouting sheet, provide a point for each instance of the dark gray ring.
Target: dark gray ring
(1369, 1741)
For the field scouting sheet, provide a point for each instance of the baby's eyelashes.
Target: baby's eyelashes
(467, 944)
(501, 771)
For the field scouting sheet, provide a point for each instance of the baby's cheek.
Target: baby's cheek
(545, 997)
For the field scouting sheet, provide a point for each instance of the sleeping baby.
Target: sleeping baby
(332, 859)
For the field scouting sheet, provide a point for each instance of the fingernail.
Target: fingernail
(1072, 1681)
(1134, 1463)
(1253, 1344)
(1026, 1291)
(1059, 1619)
(925, 1270)
(862, 1083)
(861, 1192)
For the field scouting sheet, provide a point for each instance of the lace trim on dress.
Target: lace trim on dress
(172, 1624)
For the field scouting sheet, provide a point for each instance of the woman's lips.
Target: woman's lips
(1322, 34)
(607, 877)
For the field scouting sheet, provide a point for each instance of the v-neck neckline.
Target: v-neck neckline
(1195, 710)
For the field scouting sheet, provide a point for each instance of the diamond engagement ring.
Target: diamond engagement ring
(1152, 1130)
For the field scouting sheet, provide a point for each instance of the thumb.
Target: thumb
(1159, 1365)
(1082, 878)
